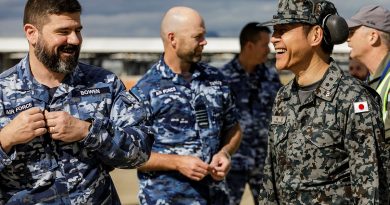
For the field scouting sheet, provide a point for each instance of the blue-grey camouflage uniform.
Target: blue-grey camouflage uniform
(54, 172)
(329, 149)
(187, 118)
(254, 93)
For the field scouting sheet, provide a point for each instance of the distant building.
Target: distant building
(130, 58)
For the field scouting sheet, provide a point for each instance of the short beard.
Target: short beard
(53, 61)
(190, 57)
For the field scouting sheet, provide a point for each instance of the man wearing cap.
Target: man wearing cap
(369, 39)
(326, 139)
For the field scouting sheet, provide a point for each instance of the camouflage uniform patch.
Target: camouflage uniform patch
(298, 11)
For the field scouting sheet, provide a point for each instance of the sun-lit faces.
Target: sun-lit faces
(191, 39)
(357, 41)
(291, 46)
(260, 48)
(59, 42)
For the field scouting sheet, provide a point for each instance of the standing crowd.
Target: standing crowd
(197, 135)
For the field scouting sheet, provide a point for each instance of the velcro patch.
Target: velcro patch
(92, 91)
(278, 120)
(165, 91)
(360, 107)
(19, 108)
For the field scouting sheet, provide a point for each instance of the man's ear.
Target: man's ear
(373, 37)
(172, 39)
(316, 35)
(249, 45)
(31, 33)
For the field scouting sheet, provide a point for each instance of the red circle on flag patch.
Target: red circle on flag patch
(361, 106)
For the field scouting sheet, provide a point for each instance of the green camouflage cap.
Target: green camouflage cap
(298, 11)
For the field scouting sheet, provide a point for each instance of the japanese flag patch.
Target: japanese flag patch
(360, 107)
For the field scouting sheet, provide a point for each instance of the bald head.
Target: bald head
(178, 19)
(183, 35)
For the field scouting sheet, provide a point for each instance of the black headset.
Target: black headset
(335, 27)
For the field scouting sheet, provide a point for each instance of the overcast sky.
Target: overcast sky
(141, 18)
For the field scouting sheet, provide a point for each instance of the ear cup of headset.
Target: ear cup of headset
(337, 29)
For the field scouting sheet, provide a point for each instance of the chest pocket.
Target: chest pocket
(322, 138)
(18, 107)
(279, 133)
(30, 163)
(214, 97)
(176, 116)
(279, 129)
(327, 143)
(172, 114)
(20, 101)
(91, 102)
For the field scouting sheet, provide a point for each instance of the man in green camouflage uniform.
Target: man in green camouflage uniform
(326, 142)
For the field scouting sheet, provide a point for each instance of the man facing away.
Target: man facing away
(254, 86)
(64, 124)
(193, 117)
(326, 141)
(369, 40)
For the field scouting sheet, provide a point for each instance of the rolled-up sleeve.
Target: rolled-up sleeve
(121, 140)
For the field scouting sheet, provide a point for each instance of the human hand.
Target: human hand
(63, 126)
(220, 166)
(23, 128)
(192, 167)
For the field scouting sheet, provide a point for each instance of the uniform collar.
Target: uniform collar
(381, 67)
(239, 69)
(164, 69)
(327, 88)
(167, 73)
(237, 66)
(38, 90)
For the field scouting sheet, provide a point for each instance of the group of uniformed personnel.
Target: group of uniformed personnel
(65, 125)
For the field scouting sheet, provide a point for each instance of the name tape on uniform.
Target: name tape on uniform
(19, 108)
(165, 91)
(360, 107)
(92, 91)
(278, 120)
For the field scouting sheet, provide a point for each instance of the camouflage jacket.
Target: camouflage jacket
(50, 171)
(254, 94)
(328, 149)
(187, 118)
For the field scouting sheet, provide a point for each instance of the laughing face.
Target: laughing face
(54, 60)
(59, 42)
(291, 47)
